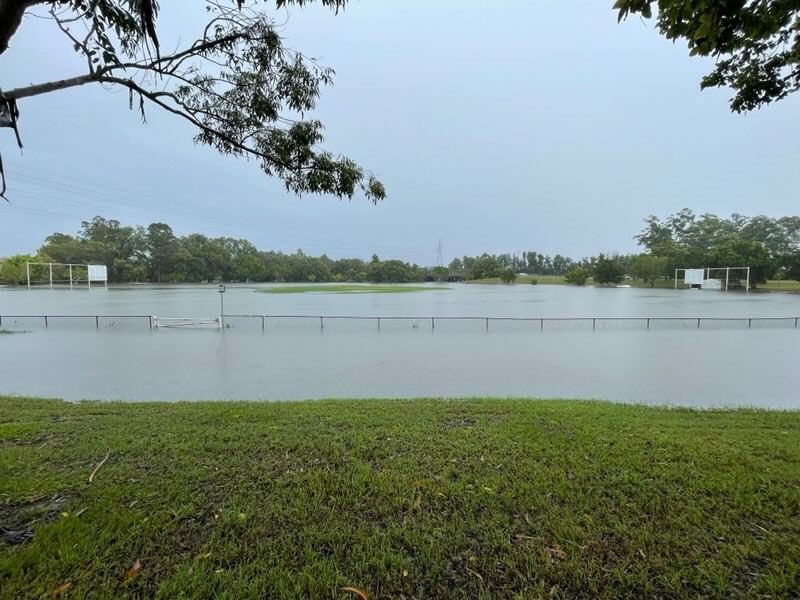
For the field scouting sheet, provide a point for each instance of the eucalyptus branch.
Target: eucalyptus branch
(83, 46)
(236, 83)
(182, 111)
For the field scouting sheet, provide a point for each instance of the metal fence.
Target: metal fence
(335, 322)
(27, 322)
(349, 322)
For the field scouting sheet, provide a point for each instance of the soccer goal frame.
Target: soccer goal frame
(707, 275)
(96, 273)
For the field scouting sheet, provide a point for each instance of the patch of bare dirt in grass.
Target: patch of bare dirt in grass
(18, 519)
(459, 423)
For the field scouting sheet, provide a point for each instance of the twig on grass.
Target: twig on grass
(100, 464)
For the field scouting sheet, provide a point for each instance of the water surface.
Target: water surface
(720, 364)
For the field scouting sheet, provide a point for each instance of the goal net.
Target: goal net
(715, 278)
(186, 322)
(65, 274)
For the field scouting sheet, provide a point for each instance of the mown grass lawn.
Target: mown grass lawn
(782, 285)
(400, 499)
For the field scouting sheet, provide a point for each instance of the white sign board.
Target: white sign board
(694, 276)
(98, 273)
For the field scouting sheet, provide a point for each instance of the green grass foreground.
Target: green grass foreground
(401, 499)
(344, 288)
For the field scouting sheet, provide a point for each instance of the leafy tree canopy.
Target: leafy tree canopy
(578, 276)
(508, 275)
(756, 43)
(742, 253)
(607, 270)
(792, 265)
(244, 92)
(649, 268)
(686, 240)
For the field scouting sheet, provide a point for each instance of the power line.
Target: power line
(56, 189)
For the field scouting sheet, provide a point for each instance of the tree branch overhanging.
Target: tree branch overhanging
(11, 13)
(756, 45)
(237, 84)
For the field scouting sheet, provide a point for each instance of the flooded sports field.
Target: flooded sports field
(651, 346)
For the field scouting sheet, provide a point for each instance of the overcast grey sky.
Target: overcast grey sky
(497, 127)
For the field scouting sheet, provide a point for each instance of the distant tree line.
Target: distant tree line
(156, 254)
(490, 265)
(770, 246)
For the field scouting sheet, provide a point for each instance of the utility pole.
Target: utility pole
(221, 289)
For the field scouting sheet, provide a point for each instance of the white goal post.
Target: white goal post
(96, 273)
(703, 277)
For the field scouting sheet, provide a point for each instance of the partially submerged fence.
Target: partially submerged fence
(104, 321)
(73, 321)
(503, 323)
(349, 322)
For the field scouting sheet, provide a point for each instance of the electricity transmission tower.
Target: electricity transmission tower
(439, 254)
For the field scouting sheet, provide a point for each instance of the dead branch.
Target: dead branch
(100, 464)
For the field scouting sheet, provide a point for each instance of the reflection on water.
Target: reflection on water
(716, 366)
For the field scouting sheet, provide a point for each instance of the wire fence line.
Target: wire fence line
(264, 322)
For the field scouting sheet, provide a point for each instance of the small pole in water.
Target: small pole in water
(221, 289)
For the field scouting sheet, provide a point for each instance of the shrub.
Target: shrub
(578, 276)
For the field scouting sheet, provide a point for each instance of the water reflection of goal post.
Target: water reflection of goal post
(96, 273)
(702, 277)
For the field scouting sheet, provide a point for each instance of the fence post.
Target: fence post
(433, 323)
(487, 323)
(262, 322)
(45, 320)
(594, 324)
(648, 323)
(698, 323)
(97, 321)
(379, 323)
(320, 322)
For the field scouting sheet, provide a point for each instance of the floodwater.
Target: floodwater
(726, 362)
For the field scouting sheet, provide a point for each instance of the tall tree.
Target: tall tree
(248, 267)
(756, 44)
(607, 270)
(162, 250)
(745, 253)
(649, 268)
(64, 248)
(792, 266)
(508, 275)
(107, 242)
(244, 92)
